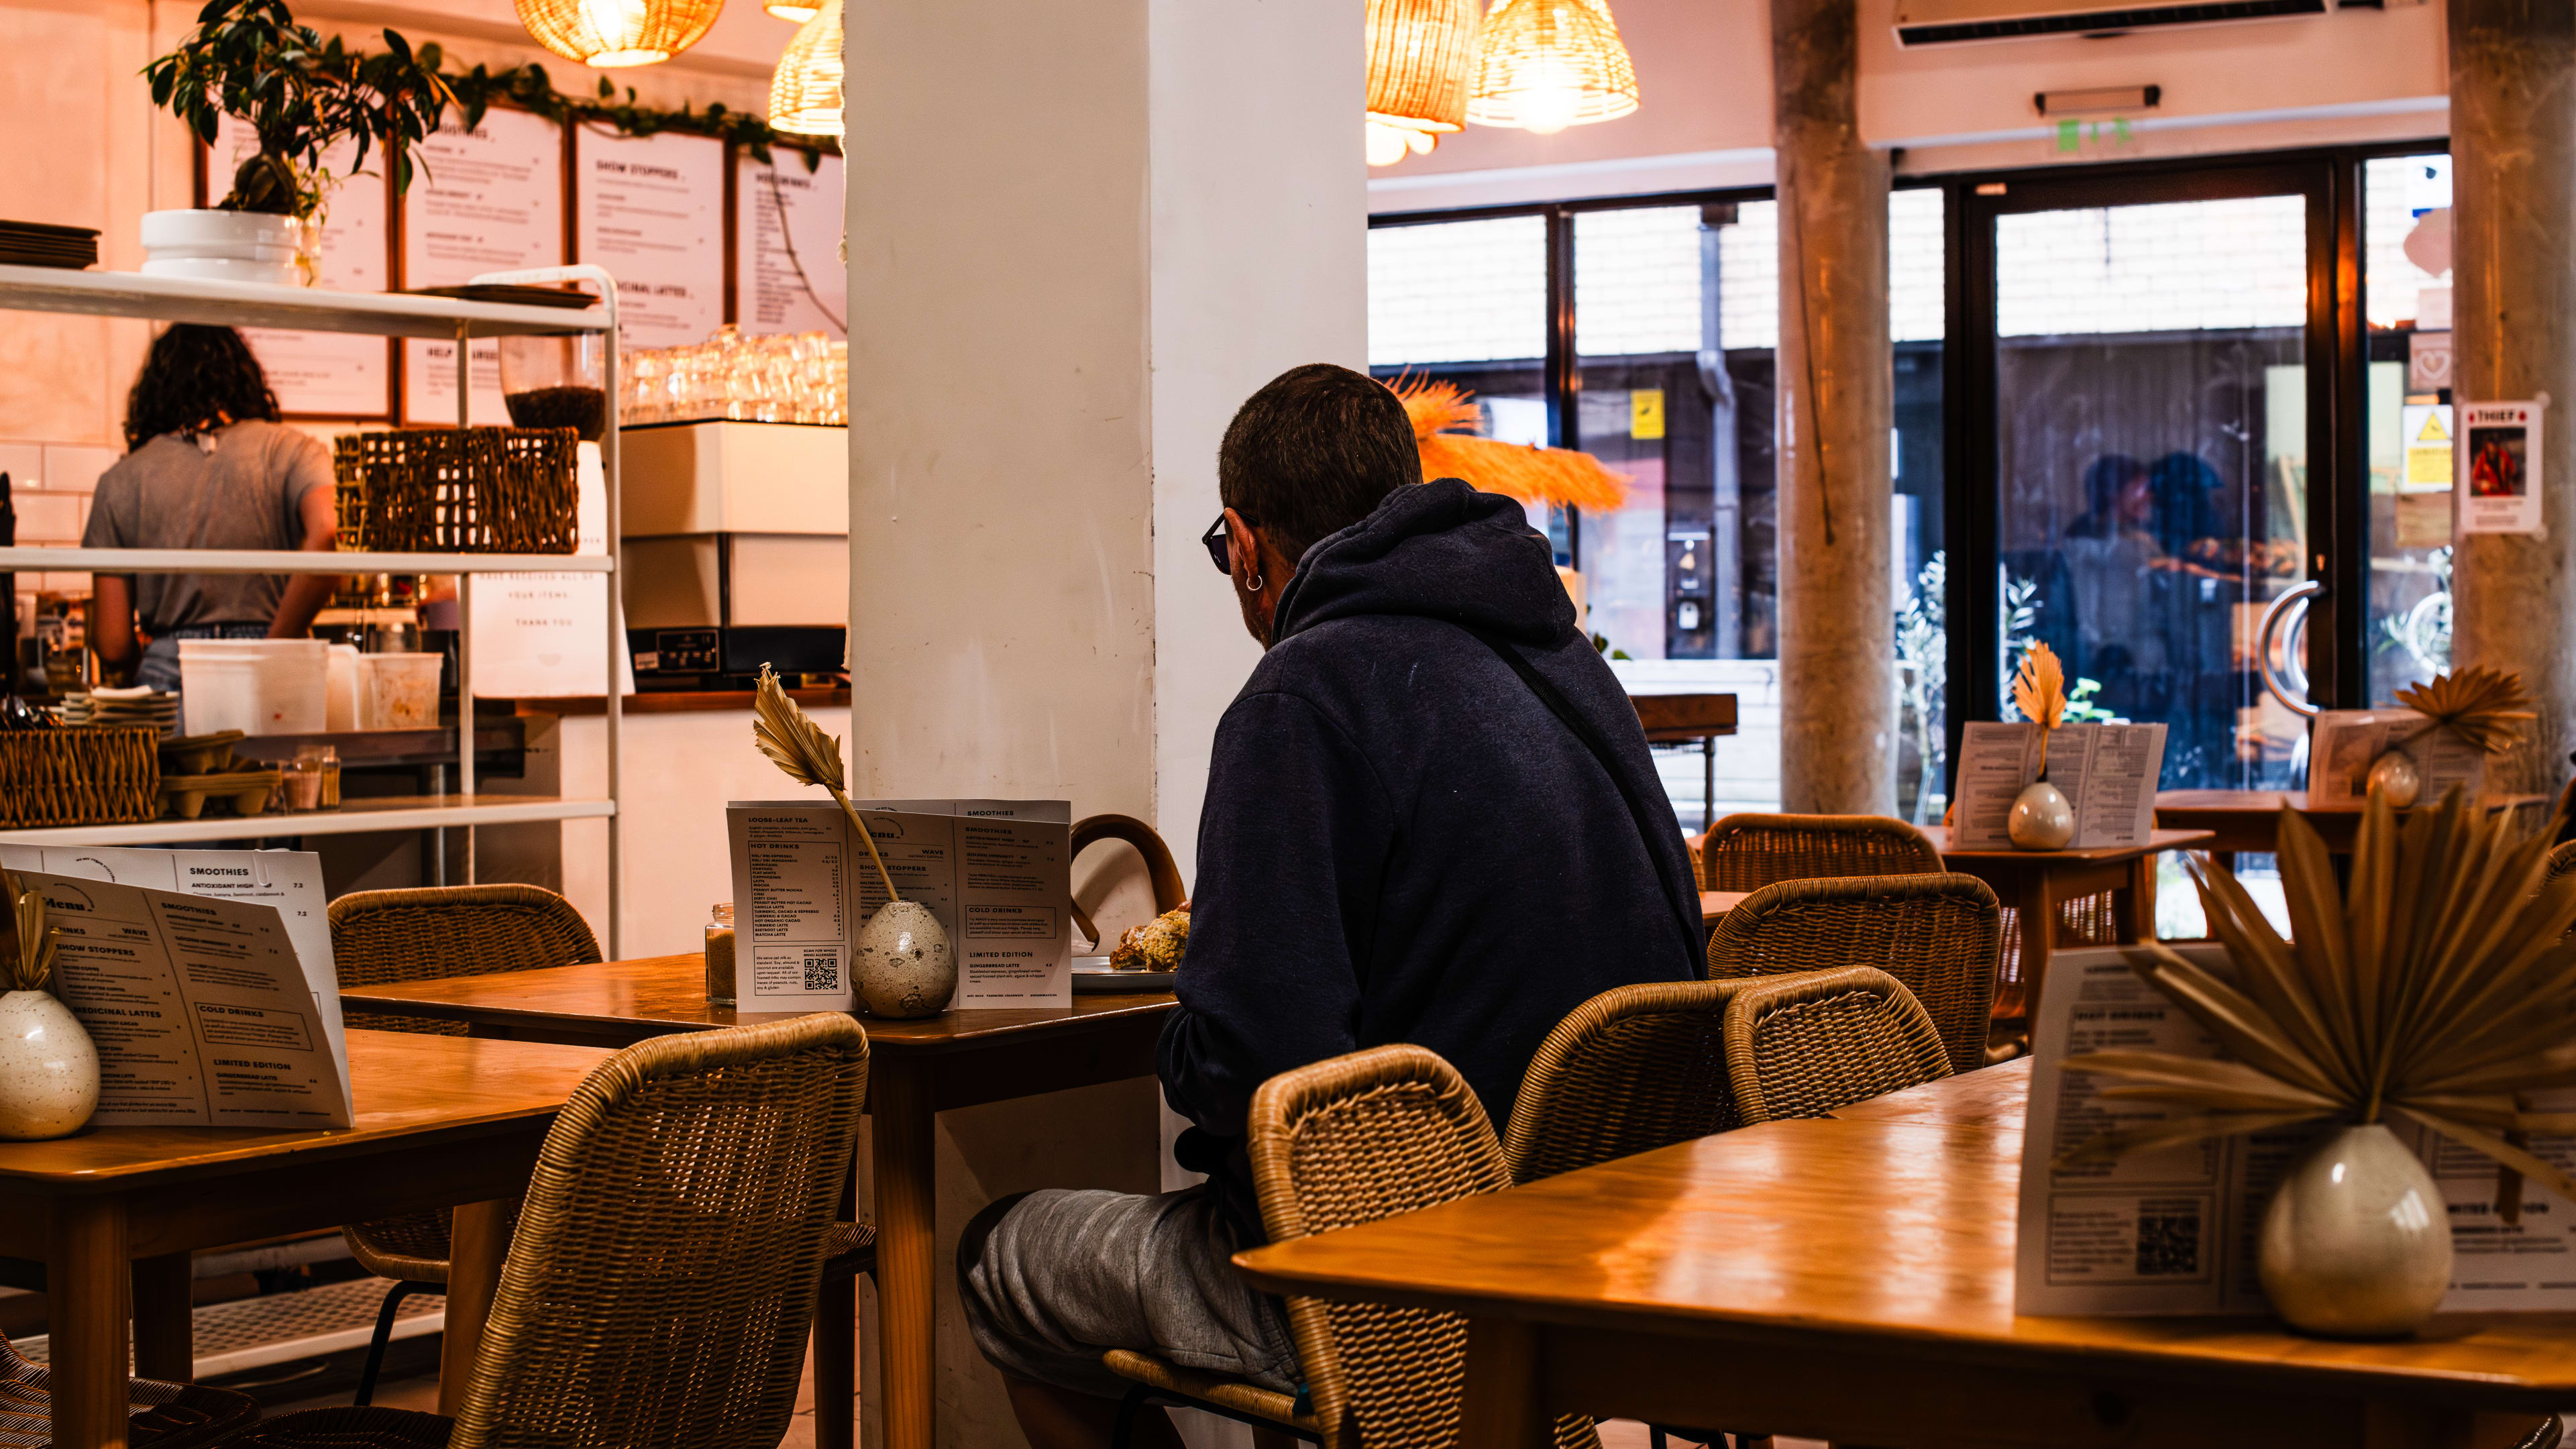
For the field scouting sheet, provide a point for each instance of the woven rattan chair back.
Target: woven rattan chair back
(2562, 861)
(382, 937)
(1941, 935)
(1801, 1046)
(1748, 852)
(1350, 1141)
(1631, 1070)
(660, 1285)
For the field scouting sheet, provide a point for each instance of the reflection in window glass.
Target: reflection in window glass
(1916, 273)
(2407, 414)
(2152, 450)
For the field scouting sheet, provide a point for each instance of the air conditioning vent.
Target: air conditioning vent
(1954, 22)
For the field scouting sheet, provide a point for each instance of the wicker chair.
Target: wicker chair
(158, 1415)
(1631, 1070)
(664, 1269)
(2562, 860)
(382, 937)
(1160, 869)
(1748, 852)
(1801, 1046)
(1939, 934)
(1342, 1142)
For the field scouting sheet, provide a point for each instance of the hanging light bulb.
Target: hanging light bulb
(1544, 65)
(1390, 144)
(610, 33)
(805, 90)
(790, 10)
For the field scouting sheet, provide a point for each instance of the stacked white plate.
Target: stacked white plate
(125, 707)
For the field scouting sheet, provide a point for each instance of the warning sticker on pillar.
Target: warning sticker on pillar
(2498, 473)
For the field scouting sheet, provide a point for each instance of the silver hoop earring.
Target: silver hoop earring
(1256, 585)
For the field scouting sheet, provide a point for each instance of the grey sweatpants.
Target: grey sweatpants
(1059, 1277)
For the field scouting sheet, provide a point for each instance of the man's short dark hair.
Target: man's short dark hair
(1315, 451)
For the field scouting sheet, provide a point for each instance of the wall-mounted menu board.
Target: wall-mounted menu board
(326, 374)
(651, 210)
(486, 200)
(788, 275)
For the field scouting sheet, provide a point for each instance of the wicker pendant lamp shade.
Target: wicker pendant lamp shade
(609, 33)
(1544, 65)
(805, 90)
(1421, 61)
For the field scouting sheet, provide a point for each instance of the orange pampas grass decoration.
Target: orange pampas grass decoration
(1560, 476)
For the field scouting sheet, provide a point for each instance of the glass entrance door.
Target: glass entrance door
(2147, 355)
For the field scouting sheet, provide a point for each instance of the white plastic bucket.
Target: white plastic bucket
(257, 686)
(398, 691)
(343, 708)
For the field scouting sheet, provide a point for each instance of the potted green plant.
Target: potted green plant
(302, 95)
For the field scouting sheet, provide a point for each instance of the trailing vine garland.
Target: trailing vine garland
(528, 88)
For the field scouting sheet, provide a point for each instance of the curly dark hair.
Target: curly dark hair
(195, 379)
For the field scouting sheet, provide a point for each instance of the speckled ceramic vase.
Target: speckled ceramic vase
(2041, 819)
(2357, 1242)
(48, 1069)
(903, 965)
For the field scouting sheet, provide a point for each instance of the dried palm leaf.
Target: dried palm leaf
(2438, 986)
(799, 747)
(2483, 706)
(1558, 476)
(31, 965)
(2039, 687)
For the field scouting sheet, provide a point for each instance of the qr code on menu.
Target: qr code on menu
(2168, 1240)
(822, 970)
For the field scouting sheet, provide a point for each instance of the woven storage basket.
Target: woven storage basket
(79, 775)
(459, 490)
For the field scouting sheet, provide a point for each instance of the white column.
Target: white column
(1080, 236)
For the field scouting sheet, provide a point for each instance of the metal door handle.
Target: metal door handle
(2278, 610)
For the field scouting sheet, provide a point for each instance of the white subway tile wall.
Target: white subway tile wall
(74, 468)
(50, 518)
(1636, 281)
(2393, 189)
(1459, 291)
(2163, 268)
(1748, 278)
(24, 463)
(1917, 266)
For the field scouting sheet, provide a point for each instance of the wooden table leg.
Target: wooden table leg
(164, 1333)
(88, 1295)
(836, 1346)
(2035, 912)
(1502, 1409)
(902, 1129)
(477, 1241)
(2133, 906)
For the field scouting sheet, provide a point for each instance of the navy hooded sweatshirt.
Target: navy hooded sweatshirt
(1402, 842)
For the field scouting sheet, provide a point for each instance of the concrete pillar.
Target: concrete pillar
(1080, 236)
(1837, 638)
(2513, 246)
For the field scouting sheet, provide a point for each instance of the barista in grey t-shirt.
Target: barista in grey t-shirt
(208, 466)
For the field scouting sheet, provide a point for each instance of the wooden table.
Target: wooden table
(1852, 1280)
(916, 1070)
(440, 1122)
(1673, 719)
(2036, 882)
(1713, 905)
(2250, 820)
(1997, 1096)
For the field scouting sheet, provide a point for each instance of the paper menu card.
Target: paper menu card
(2107, 772)
(2173, 1231)
(197, 1005)
(290, 880)
(997, 873)
(2344, 743)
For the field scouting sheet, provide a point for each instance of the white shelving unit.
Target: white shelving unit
(243, 304)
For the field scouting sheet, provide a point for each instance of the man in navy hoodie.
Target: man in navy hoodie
(1431, 817)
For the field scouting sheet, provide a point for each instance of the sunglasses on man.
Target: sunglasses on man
(1215, 539)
